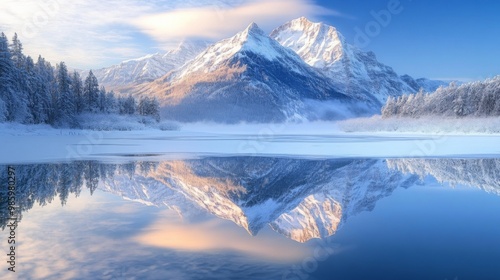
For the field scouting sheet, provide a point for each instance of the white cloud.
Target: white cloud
(96, 33)
(82, 33)
(216, 22)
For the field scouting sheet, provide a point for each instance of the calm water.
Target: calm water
(256, 218)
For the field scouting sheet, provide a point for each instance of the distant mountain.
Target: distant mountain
(248, 77)
(357, 73)
(148, 68)
(424, 84)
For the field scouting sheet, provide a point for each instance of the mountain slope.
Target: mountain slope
(249, 77)
(357, 73)
(148, 68)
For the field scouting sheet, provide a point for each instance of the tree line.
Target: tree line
(35, 92)
(476, 99)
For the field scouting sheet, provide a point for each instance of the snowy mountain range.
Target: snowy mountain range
(148, 68)
(255, 77)
(248, 77)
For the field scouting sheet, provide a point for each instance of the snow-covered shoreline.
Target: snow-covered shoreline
(430, 125)
(35, 144)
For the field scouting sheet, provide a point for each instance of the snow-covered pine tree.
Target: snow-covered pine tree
(6, 87)
(129, 105)
(149, 107)
(77, 92)
(32, 83)
(102, 99)
(459, 107)
(45, 73)
(111, 103)
(21, 111)
(65, 103)
(16, 49)
(91, 93)
(12, 84)
(488, 100)
(154, 109)
(389, 108)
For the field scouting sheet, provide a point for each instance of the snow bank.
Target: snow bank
(429, 125)
(109, 122)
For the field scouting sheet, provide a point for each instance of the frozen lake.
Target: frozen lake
(65, 145)
(261, 203)
(261, 217)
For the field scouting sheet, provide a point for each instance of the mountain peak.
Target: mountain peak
(254, 29)
(303, 21)
(317, 43)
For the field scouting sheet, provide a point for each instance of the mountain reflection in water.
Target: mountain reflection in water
(301, 199)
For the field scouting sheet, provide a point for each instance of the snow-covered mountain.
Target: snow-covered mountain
(248, 77)
(425, 84)
(148, 68)
(259, 78)
(353, 71)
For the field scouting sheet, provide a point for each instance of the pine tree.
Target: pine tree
(149, 107)
(6, 68)
(129, 106)
(65, 102)
(102, 99)
(77, 92)
(154, 109)
(488, 100)
(91, 93)
(389, 109)
(16, 49)
(45, 73)
(13, 90)
(33, 83)
(459, 107)
(111, 104)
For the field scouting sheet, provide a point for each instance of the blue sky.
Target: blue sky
(435, 39)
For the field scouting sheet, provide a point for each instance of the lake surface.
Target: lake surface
(255, 217)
